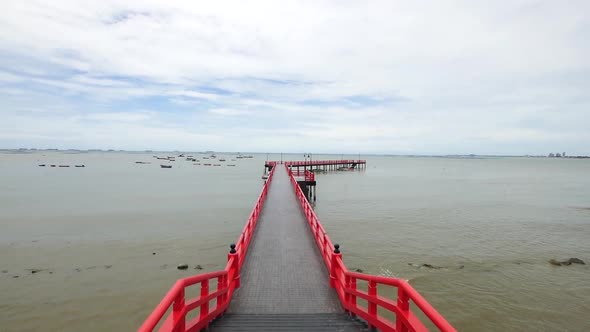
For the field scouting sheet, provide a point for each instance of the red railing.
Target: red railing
(227, 281)
(309, 175)
(321, 162)
(346, 285)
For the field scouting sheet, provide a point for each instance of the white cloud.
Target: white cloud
(8, 77)
(119, 117)
(228, 111)
(430, 76)
(193, 94)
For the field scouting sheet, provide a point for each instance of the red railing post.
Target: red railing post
(235, 265)
(403, 305)
(372, 306)
(346, 294)
(352, 299)
(178, 312)
(336, 255)
(221, 285)
(204, 292)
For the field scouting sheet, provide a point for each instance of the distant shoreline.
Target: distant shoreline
(474, 156)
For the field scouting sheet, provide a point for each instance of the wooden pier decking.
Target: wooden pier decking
(284, 280)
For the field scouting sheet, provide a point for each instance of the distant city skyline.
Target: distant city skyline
(380, 77)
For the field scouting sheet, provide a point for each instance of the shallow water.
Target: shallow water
(489, 224)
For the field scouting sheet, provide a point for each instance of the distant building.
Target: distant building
(558, 155)
(563, 154)
(551, 155)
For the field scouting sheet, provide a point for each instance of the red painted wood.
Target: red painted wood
(228, 280)
(342, 280)
(345, 282)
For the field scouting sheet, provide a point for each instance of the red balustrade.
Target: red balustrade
(307, 174)
(226, 280)
(345, 283)
(320, 162)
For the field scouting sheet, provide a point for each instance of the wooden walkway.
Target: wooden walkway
(283, 272)
(284, 275)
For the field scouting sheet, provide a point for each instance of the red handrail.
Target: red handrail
(307, 174)
(317, 162)
(345, 284)
(227, 281)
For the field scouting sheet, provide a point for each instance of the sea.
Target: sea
(95, 248)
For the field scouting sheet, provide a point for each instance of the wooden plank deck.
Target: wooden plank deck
(284, 272)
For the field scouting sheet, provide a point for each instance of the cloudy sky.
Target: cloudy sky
(423, 77)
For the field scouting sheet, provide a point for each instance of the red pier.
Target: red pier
(285, 274)
(323, 165)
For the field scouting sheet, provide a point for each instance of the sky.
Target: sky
(391, 77)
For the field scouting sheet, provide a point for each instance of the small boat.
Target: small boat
(142, 162)
(197, 164)
(205, 157)
(79, 165)
(221, 159)
(231, 165)
(206, 164)
(42, 165)
(64, 165)
(233, 160)
(216, 164)
(52, 165)
(166, 166)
